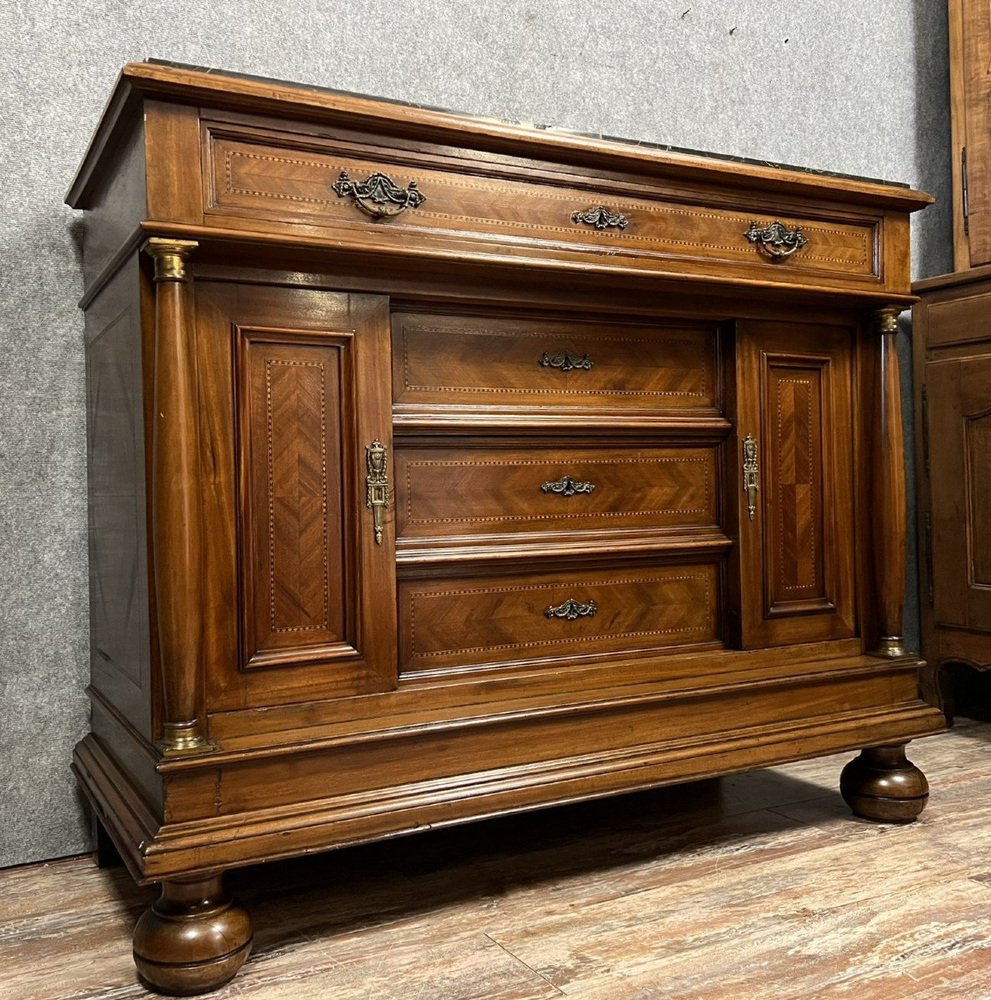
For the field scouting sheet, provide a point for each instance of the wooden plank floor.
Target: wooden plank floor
(749, 887)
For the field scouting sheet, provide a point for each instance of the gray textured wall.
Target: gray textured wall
(857, 86)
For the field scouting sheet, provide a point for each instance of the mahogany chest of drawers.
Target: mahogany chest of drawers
(441, 468)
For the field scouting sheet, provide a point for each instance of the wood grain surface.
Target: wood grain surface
(758, 885)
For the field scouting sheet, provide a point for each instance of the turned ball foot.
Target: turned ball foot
(882, 785)
(192, 940)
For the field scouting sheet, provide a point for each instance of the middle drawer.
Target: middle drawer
(501, 493)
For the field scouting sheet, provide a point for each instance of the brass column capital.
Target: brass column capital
(886, 319)
(170, 257)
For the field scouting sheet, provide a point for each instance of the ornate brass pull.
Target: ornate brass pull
(377, 484)
(567, 487)
(565, 362)
(776, 239)
(378, 195)
(750, 474)
(572, 609)
(601, 218)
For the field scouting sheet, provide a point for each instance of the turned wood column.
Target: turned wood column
(177, 531)
(888, 470)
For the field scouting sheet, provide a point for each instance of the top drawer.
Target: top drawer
(441, 194)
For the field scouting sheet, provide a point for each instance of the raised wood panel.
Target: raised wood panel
(458, 623)
(959, 419)
(793, 477)
(978, 476)
(795, 561)
(561, 490)
(958, 321)
(529, 363)
(253, 171)
(297, 562)
(299, 598)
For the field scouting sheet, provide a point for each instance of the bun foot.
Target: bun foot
(883, 785)
(192, 940)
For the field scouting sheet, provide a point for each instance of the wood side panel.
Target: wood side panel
(548, 616)
(526, 362)
(120, 630)
(316, 365)
(794, 396)
(118, 202)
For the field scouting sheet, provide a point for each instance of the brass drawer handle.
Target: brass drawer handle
(750, 474)
(567, 487)
(377, 484)
(378, 195)
(572, 609)
(776, 239)
(565, 362)
(601, 218)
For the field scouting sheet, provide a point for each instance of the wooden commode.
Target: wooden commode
(442, 468)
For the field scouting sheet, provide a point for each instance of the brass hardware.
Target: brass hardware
(567, 487)
(776, 239)
(750, 474)
(170, 257)
(565, 362)
(887, 320)
(378, 195)
(601, 218)
(964, 192)
(179, 739)
(377, 484)
(572, 609)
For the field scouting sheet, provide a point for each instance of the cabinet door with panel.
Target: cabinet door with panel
(795, 461)
(294, 393)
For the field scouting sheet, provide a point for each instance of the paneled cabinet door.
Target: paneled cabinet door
(295, 417)
(959, 416)
(794, 561)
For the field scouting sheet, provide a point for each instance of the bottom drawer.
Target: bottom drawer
(579, 614)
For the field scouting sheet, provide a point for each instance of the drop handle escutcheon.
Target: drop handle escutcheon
(378, 195)
(775, 240)
(377, 485)
(567, 486)
(572, 609)
(565, 362)
(751, 474)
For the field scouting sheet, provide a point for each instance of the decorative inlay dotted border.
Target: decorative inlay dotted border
(558, 515)
(781, 517)
(700, 348)
(269, 364)
(655, 210)
(611, 582)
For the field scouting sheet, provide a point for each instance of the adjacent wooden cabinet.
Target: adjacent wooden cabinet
(952, 328)
(441, 468)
